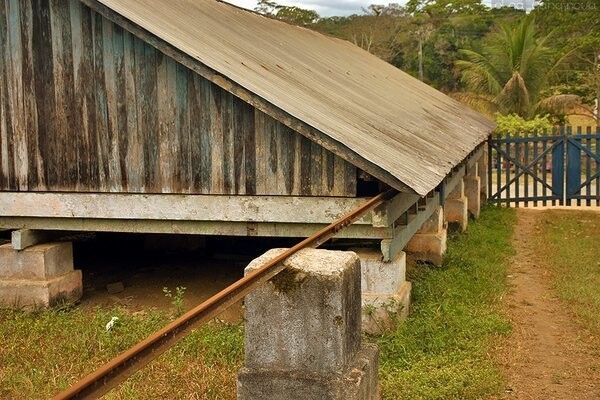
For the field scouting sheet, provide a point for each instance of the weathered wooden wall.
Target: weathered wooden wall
(86, 106)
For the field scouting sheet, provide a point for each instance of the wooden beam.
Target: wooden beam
(24, 238)
(403, 233)
(279, 209)
(389, 212)
(452, 181)
(218, 228)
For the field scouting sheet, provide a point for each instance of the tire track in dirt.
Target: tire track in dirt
(546, 356)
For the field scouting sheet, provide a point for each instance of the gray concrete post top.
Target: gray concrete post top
(38, 276)
(303, 331)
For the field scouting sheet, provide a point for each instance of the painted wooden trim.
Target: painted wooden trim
(251, 98)
(280, 209)
(388, 213)
(403, 233)
(190, 227)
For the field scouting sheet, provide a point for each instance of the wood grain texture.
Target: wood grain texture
(381, 119)
(86, 106)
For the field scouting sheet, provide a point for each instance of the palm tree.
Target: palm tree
(511, 72)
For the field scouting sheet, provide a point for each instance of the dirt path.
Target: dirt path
(546, 356)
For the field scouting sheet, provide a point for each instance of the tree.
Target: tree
(291, 14)
(511, 72)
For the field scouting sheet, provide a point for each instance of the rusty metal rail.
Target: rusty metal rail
(123, 366)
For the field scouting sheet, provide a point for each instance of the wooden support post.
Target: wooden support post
(24, 238)
(403, 233)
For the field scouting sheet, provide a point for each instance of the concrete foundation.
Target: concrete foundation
(473, 191)
(429, 244)
(302, 333)
(385, 291)
(456, 208)
(39, 276)
(482, 172)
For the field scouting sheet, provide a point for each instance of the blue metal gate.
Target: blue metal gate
(559, 168)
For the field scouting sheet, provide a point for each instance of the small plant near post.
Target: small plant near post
(176, 298)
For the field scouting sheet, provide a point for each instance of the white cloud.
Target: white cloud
(325, 8)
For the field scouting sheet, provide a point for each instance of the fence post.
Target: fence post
(303, 332)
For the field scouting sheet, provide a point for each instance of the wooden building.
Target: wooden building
(195, 116)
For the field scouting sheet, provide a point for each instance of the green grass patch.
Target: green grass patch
(443, 350)
(569, 242)
(440, 352)
(44, 352)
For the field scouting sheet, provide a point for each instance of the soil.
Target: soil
(548, 355)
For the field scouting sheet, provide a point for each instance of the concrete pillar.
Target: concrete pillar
(456, 208)
(482, 171)
(302, 333)
(39, 276)
(385, 291)
(473, 191)
(429, 244)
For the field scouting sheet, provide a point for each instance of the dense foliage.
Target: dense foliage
(548, 61)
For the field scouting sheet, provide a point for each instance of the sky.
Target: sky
(327, 8)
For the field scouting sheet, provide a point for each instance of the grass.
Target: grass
(441, 352)
(42, 353)
(570, 242)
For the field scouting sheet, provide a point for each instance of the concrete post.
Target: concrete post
(456, 208)
(429, 244)
(473, 191)
(39, 276)
(302, 333)
(385, 291)
(482, 171)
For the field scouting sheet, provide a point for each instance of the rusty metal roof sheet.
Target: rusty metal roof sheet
(391, 120)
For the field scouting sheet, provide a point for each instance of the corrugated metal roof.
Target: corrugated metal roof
(383, 115)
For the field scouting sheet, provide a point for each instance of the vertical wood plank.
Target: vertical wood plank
(165, 119)
(316, 158)
(134, 157)
(14, 69)
(206, 143)
(297, 149)
(89, 169)
(261, 152)
(183, 175)
(228, 169)
(250, 149)
(286, 150)
(120, 141)
(271, 156)
(5, 153)
(44, 89)
(195, 111)
(113, 179)
(102, 123)
(306, 170)
(149, 115)
(239, 131)
(216, 138)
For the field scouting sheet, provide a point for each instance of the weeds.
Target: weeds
(176, 298)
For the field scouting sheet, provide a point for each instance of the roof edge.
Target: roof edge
(252, 98)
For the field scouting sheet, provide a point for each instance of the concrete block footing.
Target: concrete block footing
(39, 276)
(385, 292)
(456, 212)
(429, 244)
(473, 195)
(358, 381)
(429, 247)
(303, 335)
(382, 312)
